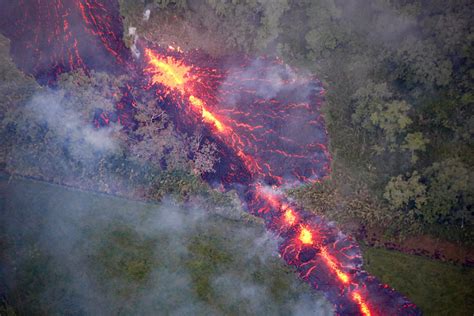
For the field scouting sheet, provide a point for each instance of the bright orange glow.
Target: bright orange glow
(364, 309)
(207, 116)
(175, 75)
(168, 71)
(183, 78)
(289, 216)
(306, 237)
(344, 278)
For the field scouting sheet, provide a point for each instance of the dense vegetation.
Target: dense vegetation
(399, 95)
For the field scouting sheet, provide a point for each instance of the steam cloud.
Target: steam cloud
(267, 82)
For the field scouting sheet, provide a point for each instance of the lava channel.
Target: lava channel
(279, 137)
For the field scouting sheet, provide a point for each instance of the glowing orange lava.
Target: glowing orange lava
(263, 140)
(306, 237)
(176, 76)
(289, 216)
(168, 71)
(207, 116)
(344, 278)
(364, 309)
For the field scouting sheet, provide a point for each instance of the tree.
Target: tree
(324, 30)
(415, 142)
(450, 195)
(204, 155)
(406, 193)
(377, 111)
(157, 142)
(269, 28)
(421, 62)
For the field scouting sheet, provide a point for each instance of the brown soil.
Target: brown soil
(422, 245)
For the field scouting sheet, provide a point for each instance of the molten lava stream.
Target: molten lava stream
(329, 260)
(307, 248)
(253, 132)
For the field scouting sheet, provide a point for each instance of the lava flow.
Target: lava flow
(261, 124)
(263, 116)
(49, 37)
(278, 135)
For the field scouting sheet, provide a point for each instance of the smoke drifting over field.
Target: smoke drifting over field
(104, 255)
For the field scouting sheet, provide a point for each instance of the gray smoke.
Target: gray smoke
(50, 107)
(87, 248)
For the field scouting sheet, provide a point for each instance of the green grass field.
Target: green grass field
(437, 288)
(72, 252)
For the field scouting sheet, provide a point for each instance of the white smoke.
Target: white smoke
(132, 31)
(50, 107)
(264, 79)
(146, 15)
